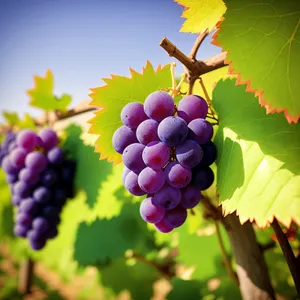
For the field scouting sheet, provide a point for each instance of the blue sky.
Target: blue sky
(82, 41)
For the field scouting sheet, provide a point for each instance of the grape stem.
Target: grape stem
(288, 254)
(201, 37)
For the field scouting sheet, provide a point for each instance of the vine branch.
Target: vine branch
(201, 37)
(288, 254)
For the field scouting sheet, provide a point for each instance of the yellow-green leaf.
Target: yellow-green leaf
(201, 14)
(11, 118)
(42, 96)
(112, 97)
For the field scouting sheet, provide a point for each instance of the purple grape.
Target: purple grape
(175, 217)
(156, 155)
(189, 154)
(68, 170)
(21, 189)
(131, 184)
(59, 196)
(34, 235)
(122, 138)
(37, 244)
(40, 224)
(29, 176)
(191, 196)
(132, 157)
(20, 231)
(177, 175)
(24, 220)
(41, 195)
(163, 227)
(8, 167)
(11, 178)
(200, 130)
(192, 107)
(125, 172)
(159, 105)
(52, 233)
(55, 155)
(149, 212)
(17, 157)
(29, 207)
(203, 178)
(209, 154)
(167, 197)
(48, 178)
(15, 200)
(49, 138)
(50, 211)
(27, 139)
(172, 131)
(151, 181)
(36, 161)
(132, 114)
(147, 132)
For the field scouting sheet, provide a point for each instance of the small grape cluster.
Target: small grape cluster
(40, 179)
(167, 153)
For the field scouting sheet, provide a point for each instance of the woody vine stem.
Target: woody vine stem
(194, 70)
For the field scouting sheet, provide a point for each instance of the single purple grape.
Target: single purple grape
(191, 107)
(16, 200)
(151, 181)
(167, 197)
(29, 207)
(55, 155)
(131, 184)
(176, 216)
(52, 233)
(37, 244)
(200, 130)
(8, 167)
(49, 138)
(49, 177)
(17, 157)
(123, 137)
(21, 189)
(159, 105)
(24, 220)
(41, 195)
(27, 139)
(11, 178)
(132, 157)
(177, 175)
(172, 131)
(149, 212)
(36, 161)
(125, 172)
(132, 114)
(40, 224)
(147, 132)
(156, 155)
(161, 226)
(209, 154)
(29, 176)
(20, 231)
(191, 196)
(189, 154)
(203, 178)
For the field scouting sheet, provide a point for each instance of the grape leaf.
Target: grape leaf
(41, 95)
(137, 279)
(112, 97)
(258, 165)
(27, 122)
(11, 118)
(201, 15)
(262, 38)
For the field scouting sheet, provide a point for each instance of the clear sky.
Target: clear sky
(82, 41)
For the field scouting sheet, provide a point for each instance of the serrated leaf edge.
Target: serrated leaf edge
(262, 101)
(98, 147)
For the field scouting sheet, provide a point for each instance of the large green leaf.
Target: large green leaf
(112, 97)
(42, 96)
(262, 38)
(201, 15)
(258, 158)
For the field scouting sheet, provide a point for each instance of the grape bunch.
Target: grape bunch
(167, 153)
(40, 179)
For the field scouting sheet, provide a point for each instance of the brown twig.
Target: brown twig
(288, 254)
(196, 67)
(201, 37)
(226, 258)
